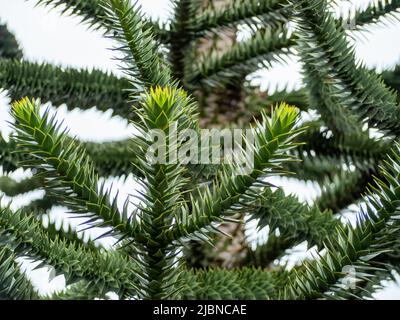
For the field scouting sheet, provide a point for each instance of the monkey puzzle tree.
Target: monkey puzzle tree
(185, 203)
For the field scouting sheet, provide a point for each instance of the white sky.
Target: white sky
(45, 36)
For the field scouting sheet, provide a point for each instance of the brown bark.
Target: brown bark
(222, 107)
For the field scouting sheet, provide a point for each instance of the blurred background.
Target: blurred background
(47, 36)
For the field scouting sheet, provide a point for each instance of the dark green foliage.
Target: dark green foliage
(77, 88)
(375, 12)
(29, 237)
(374, 236)
(354, 88)
(270, 12)
(9, 160)
(392, 79)
(162, 198)
(13, 283)
(54, 156)
(9, 48)
(229, 192)
(70, 236)
(110, 158)
(294, 218)
(143, 66)
(11, 188)
(113, 158)
(265, 254)
(247, 283)
(172, 71)
(182, 34)
(242, 58)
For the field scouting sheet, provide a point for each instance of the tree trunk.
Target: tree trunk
(222, 107)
